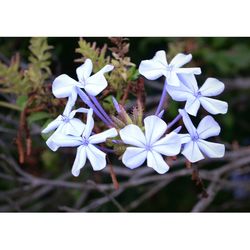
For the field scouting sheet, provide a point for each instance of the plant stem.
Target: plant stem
(10, 106)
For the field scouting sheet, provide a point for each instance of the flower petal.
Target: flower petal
(172, 78)
(53, 125)
(208, 127)
(84, 71)
(179, 93)
(160, 56)
(96, 157)
(192, 152)
(154, 68)
(185, 138)
(155, 127)
(97, 82)
(134, 157)
(169, 145)
(80, 110)
(101, 137)
(80, 160)
(62, 140)
(187, 71)
(189, 81)
(213, 106)
(68, 107)
(63, 86)
(51, 144)
(212, 87)
(155, 161)
(192, 105)
(180, 59)
(132, 135)
(73, 127)
(211, 149)
(188, 123)
(89, 125)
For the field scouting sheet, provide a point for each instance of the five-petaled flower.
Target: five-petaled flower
(65, 86)
(65, 124)
(150, 146)
(85, 144)
(195, 143)
(158, 66)
(188, 91)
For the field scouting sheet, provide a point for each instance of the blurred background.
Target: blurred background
(33, 178)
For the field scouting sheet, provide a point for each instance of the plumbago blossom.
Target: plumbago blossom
(188, 91)
(65, 124)
(158, 66)
(65, 86)
(134, 143)
(195, 145)
(150, 146)
(85, 144)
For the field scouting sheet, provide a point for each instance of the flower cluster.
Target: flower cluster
(149, 142)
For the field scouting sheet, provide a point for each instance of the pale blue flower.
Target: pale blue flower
(65, 86)
(85, 144)
(158, 66)
(188, 91)
(65, 124)
(151, 145)
(195, 145)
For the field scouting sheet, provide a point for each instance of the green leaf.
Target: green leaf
(38, 116)
(21, 101)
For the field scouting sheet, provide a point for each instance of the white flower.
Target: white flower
(158, 66)
(65, 124)
(188, 91)
(65, 86)
(85, 143)
(194, 142)
(149, 146)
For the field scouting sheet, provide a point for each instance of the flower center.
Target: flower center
(65, 119)
(85, 141)
(169, 68)
(148, 147)
(195, 137)
(198, 94)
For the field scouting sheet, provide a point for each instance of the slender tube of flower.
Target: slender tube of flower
(161, 113)
(163, 99)
(176, 119)
(88, 102)
(118, 141)
(116, 105)
(107, 150)
(100, 108)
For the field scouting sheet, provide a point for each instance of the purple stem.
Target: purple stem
(163, 99)
(100, 108)
(176, 119)
(116, 105)
(118, 141)
(107, 150)
(88, 102)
